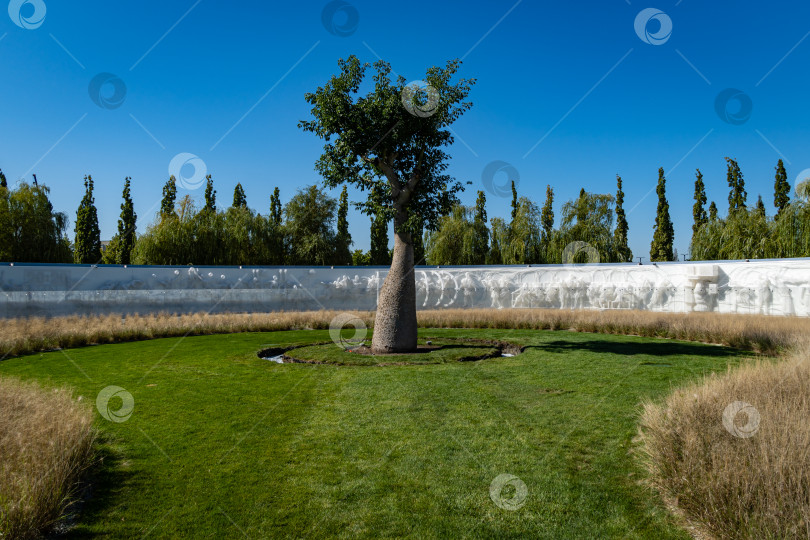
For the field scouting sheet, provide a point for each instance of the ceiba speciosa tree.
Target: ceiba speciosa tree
(390, 141)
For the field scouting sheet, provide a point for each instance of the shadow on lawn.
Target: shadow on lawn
(105, 481)
(663, 348)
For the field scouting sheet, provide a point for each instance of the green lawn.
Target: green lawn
(222, 444)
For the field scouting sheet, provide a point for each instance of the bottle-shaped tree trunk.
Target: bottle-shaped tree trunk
(395, 324)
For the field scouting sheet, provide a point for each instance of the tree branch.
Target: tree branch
(390, 174)
(413, 181)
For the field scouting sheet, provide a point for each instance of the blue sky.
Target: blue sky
(226, 81)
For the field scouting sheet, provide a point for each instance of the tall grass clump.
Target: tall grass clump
(738, 476)
(759, 333)
(46, 442)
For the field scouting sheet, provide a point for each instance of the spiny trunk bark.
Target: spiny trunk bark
(395, 323)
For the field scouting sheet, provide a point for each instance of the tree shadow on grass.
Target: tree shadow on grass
(655, 348)
(103, 485)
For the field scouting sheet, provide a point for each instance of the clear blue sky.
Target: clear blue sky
(574, 74)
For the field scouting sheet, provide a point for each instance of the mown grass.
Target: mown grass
(445, 351)
(760, 333)
(46, 443)
(224, 444)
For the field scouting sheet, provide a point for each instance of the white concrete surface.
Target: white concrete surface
(772, 287)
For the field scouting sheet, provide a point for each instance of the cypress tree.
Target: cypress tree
(6, 227)
(87, 248)
(760, 207)
(480, 246)
(378, 253)
(126, 226)
(547, 224)
(210, 195)
(379, 240)
(514, 201)
(547, 216)
(239, 199)
(275, 207)
(737, 195)
(169, 196)
(343, 240)
(712, 212)
(781, 189)
(663, 234)
(481, 207)
(620, 234)
(277, 236)
(6, 235)
(698, 209)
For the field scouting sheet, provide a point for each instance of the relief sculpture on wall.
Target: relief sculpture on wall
(757, 287)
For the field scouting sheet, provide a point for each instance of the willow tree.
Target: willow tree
(461, 237)
(523, 241)
(589, 219)
(454, 240)
(744, 234)
(498, 234)
(791, 235)
(310, 227)
(30, 230)
(391, 140)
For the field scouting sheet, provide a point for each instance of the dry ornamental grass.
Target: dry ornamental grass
(760, 333)
(731, 455)
(46, 442)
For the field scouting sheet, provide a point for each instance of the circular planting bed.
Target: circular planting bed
(430, 351)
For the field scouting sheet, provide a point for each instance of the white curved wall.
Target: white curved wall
(773, 287)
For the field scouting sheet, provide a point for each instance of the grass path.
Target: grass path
(222, 444)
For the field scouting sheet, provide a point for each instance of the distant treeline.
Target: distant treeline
(312, 229)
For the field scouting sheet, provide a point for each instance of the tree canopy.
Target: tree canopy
(30, 230)
(390, 140)
(310, 218)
